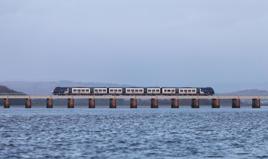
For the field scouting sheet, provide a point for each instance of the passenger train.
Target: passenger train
(180, 91)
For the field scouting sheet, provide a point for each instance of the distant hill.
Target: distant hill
(247, 92)
(45, 88)
(7, 91)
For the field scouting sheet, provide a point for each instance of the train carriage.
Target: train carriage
(180, 91)
(115, 91)
(153, 91)
(80, 91)
(134, 91)
(169, 91)
(100, 91)
(187, 91)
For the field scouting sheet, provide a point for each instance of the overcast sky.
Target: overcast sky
(219, 43)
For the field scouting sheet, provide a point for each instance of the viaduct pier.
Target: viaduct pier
(174, 100)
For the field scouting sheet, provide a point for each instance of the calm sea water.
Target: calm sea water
(127, 133)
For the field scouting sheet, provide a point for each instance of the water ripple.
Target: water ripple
(141, 133)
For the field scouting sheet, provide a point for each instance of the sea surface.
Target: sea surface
(133, 133)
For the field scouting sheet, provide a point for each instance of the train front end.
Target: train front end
(61, 91)
(207, 91)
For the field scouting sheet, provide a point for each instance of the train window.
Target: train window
(140, 90)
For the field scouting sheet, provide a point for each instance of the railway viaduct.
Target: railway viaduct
(174, 100)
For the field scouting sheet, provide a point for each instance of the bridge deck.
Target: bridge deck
(138, 97)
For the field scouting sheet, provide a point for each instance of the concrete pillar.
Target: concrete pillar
(154, 103)
(256, 103)
(28, 103)
(91, 103)
(70, 103)
(195, 103)
(6, 103)
(49, 103)
(133, 103)
(215, 103)
(236, 103)
(175, 103)
(113, 103)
